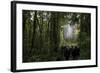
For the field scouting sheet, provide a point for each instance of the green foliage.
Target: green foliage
(85, 37)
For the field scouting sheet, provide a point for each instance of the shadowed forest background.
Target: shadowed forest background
(56, 36)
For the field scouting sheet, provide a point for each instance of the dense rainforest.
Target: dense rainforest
(56, 36)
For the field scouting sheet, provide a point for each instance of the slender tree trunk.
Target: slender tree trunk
(34, 30)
